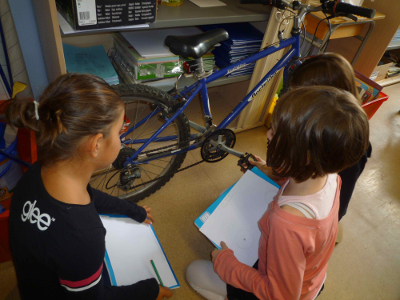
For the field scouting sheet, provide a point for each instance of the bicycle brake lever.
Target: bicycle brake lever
(244, 160)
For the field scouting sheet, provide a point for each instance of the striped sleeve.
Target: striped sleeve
(82, 285)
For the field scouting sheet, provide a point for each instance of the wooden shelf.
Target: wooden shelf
(389, 81)
(190, 14)
(394, 45)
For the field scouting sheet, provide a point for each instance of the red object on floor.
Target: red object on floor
(371, 107)
(27, 152)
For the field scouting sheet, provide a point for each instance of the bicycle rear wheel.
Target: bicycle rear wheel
(142, 101)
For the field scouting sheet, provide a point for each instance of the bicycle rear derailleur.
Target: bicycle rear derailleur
(127, 178)
(128, 174)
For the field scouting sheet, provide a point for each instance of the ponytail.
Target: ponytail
(72, 107)
(20, 113)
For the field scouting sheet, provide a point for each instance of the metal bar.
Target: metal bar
(153, 137)
(140, 122)
(25, 164)
(249, 97)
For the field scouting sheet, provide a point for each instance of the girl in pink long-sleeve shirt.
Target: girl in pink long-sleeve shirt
(316, 132)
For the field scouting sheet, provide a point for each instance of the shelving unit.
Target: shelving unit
(394, 44)
(167, 17)
(190, 14)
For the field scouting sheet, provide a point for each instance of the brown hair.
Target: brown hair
(329, 69)
(72, 107)
(317, 130)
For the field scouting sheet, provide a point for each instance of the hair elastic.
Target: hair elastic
(36, 109)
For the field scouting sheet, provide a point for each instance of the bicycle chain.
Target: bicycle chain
(158, 178)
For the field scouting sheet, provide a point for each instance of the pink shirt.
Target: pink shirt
(293, 255)
(319, 203)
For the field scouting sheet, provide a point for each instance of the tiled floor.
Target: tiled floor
(365, 265)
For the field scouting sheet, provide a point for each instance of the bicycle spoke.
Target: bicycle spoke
(157, 166)
(143, 125)
(147, 174)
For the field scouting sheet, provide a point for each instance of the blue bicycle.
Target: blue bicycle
(159, 137)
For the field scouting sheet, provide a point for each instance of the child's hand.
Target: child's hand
(149, 218)
(164, 292)
(259, 163)
(216, 252)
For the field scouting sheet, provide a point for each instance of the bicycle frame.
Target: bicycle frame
(201, 86)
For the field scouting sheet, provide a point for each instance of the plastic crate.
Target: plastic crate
(370, 108)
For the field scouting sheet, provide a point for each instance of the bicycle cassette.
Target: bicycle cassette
(213, 147)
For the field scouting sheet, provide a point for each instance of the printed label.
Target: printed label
(86, 11)
(32, 213)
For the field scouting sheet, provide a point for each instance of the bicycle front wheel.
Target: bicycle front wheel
(142, 103)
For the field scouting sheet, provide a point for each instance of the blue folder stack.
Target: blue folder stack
(90, 60)
(244, 40)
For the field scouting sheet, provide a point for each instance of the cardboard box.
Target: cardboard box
(94, 14)
(380, 72)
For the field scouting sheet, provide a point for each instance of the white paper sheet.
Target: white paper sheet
(235, 220)
(130, 246)
(208, 3)
(150, 44)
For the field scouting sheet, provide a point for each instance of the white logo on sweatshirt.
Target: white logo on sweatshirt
(32, 213)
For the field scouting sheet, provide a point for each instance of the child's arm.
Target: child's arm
(80, 271)
(262, 166)
(106, 204)
(284, 269)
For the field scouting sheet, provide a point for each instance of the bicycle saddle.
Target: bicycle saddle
(195, 45)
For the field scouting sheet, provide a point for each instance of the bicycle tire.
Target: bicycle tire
(141, 97)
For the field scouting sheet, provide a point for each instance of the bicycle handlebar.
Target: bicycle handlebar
(328, 7)
(346, 8)
(281, 4)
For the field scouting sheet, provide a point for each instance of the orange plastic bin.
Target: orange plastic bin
(371, 107)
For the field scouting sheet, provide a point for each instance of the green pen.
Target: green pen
(158, 275)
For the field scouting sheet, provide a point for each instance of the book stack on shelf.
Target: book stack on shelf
(244, 40)
(141, 57)
(91, 60)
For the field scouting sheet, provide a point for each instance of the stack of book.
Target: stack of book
(143, 68)
(91, 60)
(142, 56)
(244, 40)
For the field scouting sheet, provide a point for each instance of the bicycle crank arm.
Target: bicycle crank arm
(222, 146)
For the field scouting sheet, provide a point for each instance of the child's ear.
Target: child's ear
(95, 145)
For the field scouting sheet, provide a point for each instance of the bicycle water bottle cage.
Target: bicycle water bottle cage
(195, 46)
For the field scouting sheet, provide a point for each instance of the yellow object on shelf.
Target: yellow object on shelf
(172, 2)
(270, 111)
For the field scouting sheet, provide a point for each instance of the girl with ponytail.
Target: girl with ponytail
(57, 239)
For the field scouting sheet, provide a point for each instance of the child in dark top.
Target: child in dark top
(330, 69)
(57, 239)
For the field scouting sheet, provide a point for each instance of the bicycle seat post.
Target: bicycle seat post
(199, 68)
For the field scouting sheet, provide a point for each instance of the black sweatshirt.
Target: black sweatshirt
(58, 248)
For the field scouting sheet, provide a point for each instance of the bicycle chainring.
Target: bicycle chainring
(213, 153)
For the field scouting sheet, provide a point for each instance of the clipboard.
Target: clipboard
(234, 216)
(129, 248)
